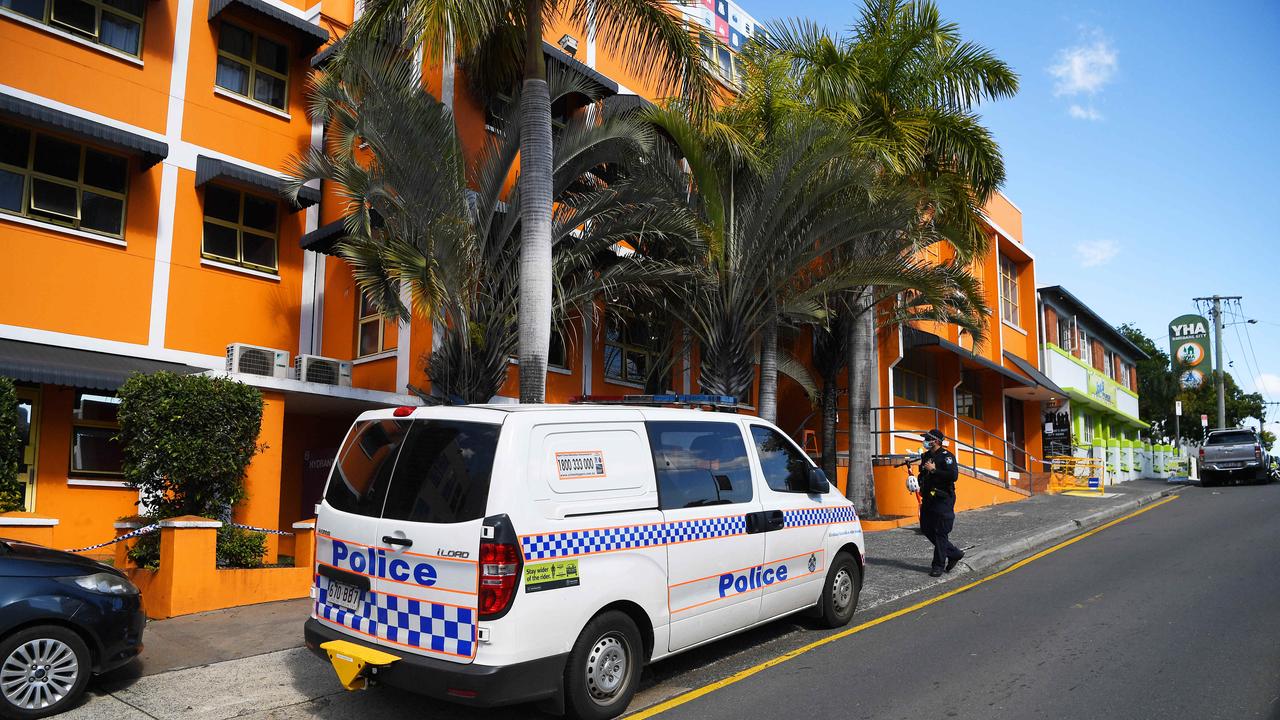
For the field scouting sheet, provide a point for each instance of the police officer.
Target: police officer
(938, 474)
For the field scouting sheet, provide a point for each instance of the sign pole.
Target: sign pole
(1177, 430)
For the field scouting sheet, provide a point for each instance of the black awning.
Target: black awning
(615, 105)
(324, 238)
(151, 151)
(55, 365)
(209, 169)
(556, 55)
(313, 35)
(914, 337)
(1034, 373)
(322, 58)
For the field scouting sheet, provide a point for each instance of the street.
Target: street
(1173, 613)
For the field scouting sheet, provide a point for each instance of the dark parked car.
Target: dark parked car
(63, 618)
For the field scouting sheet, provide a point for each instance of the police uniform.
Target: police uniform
(938, 505)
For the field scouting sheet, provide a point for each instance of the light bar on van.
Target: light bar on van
(726, 401)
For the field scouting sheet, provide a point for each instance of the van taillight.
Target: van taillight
(1257, 452)
(500, 565)
(1201, 453)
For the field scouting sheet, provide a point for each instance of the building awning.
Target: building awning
(313, 36)
(55, 365)
(556, 55)
(914, 337)
(1044, 389)
(324, 239)
(618, 105)
(209, 169)
(149, 150)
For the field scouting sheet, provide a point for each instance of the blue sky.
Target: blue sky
(1142, 151)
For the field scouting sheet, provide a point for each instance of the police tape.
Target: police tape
(258, 529)
(127, 536)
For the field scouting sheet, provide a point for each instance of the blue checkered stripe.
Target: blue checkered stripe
(417, 623)
(819, 516)
(586, 542)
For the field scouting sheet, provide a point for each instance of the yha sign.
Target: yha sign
(1188, 346)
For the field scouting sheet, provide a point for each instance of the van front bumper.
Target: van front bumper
(471, 684)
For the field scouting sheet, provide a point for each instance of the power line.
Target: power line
(1248, 336)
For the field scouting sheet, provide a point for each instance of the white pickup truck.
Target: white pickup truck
(1233, 454)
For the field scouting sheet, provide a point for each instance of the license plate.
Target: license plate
(345, 596)
(1231, 465)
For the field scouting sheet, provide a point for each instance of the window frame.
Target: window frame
(1086, 428)
(656, 426)
(903, 370)
(624, 347)
(1086, 347)
(77, 423)
(970, 389)
(253, 65)
(755, 451)
(373, 318)
(29, 175)
(1009, 306)
(95, 39)
(240, 229)
(1109, 363)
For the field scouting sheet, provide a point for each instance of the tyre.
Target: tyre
(1206, 480)
(43, 671)
(603, 670)
(840, 592)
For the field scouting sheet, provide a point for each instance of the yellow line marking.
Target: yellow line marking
(744, 674)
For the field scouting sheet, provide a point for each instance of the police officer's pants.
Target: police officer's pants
(937, 527)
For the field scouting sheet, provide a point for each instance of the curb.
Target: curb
(1003, 554)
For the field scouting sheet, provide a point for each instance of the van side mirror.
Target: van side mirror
(818, 482)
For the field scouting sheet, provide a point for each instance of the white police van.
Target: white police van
(508, 553)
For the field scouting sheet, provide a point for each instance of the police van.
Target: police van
(497, 554)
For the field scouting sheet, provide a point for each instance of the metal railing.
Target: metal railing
(1004, 463)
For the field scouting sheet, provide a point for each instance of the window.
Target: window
(359, 478)
(1109, 363)
(1086, 434)
(442, 475)
(969, 396)
(253, 66)
(785, 468)
(1008, 291)
(239, 228)
(498, 109)
(57, 181)
(1064, 335)
(371, 330)
(94, 425)
(115, 24)
(558, 352)
(1086, 348)
(699, 463)
(629, 350)
(1124, 374)
(913, 379)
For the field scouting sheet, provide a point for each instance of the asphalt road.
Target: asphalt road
(1173, 613)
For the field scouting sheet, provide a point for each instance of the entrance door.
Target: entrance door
(1015, 434)
(29, 431)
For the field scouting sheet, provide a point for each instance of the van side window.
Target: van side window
(358, 482)
(785, 468)
(699, 463)
(443, 472)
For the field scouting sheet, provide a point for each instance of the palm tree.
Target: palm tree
(414, 220)
(653, 42)
(904, 82)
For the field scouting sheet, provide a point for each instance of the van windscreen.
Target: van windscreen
(358, 482)
(443, 472)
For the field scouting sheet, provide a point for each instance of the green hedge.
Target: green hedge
(11, 491)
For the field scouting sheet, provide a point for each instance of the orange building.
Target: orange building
(142, 144)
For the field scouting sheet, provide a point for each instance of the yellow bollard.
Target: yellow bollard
(350, 661)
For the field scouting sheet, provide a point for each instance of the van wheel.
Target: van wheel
(43, 671)
(840, 592)
(604, 668)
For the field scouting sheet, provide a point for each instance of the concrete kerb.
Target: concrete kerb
(996, 558)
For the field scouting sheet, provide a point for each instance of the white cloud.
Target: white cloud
(1093, 253)
(1084, 68)
(1080, 112)
(1267, 384)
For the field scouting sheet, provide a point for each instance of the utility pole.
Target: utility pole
(1217, 353)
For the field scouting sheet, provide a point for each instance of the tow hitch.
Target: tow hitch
(354, 663)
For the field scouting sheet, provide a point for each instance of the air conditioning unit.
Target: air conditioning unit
(254, 360)
(323, 370)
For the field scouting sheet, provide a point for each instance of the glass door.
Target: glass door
(29, 431)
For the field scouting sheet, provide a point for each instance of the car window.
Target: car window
(785, 468)
(699, 463)
(443, 472)
(1239, 437)
(358, 481)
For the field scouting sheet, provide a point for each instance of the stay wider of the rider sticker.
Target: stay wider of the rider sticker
(580, 464)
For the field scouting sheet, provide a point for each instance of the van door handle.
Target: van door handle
(765, 521)
(393, 540)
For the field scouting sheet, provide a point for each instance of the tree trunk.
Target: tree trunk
(861, 489)
(768, 403)
(829, 411)
(535, 213)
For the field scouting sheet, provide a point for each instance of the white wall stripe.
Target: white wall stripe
(111, 347)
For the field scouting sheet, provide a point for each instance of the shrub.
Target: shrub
(240, 548)
(11, 491)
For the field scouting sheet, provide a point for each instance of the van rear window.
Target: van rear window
(358, 482)
(443, 473)
(1240, 437)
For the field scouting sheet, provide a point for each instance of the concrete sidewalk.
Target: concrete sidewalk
(248, 661)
